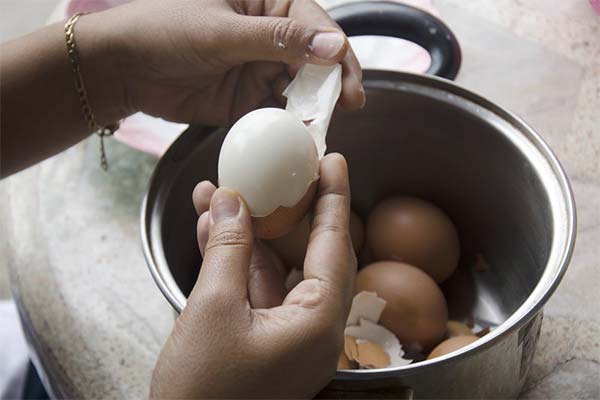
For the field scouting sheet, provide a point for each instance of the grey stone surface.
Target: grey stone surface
(79, 273)
(72, 231)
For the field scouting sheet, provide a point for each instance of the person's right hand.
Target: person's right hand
(209, 61)
(224, 346)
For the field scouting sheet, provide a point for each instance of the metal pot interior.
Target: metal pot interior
(416, 136)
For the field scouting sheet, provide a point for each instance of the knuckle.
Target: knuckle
(228, 238)
(286, 31)
(331, 228)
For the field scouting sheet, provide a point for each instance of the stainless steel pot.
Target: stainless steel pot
(492, 173)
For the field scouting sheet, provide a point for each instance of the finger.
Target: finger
(201, 196)
(266, 277)
(202, 231)
(229, 246)
(266, 282)
(353, 95)
(286, 40)
(330, 260)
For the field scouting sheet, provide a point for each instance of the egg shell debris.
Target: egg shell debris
(366, 343)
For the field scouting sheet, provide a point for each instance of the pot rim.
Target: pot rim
(547, 165)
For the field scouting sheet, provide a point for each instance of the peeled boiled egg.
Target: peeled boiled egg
(452, 344)
(414, 231)
(271, 159)
(292, 246)
(271, 156)
(415, 309)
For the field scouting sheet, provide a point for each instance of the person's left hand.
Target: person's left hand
(210, 61)
(225, 343)
(266, 274)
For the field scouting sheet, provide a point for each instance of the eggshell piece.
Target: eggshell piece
(344, 362)
(350, 348)
(415, 310)
(455, 328)
(365, 305)
(284, 219)
(371, 355)
(452, 344)
(414, 231)
(374, 333)
(270, 158)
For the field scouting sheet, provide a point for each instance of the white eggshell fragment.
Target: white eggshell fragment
(373, 332)
(365, 305)
(270, 158)
(312, 97)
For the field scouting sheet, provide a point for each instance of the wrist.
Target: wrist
(99, 58)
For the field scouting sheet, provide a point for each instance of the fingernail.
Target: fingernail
(224, 204)
(327, 45)
(364, 97)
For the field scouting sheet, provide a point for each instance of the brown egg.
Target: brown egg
(450, 345)
(292, 247)
(455, 328)
(416, 310)
(283, 220)
(357, 232)
(414, 231)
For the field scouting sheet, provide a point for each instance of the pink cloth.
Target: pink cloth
(596, 5)
(76, 6)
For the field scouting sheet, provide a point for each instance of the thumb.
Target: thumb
(288, 40)
(229, 247)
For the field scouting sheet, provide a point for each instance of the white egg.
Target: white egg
(270, 158)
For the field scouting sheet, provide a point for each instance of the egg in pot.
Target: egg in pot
(292, 246)
(414, 231)
(452, 344)
(416, 310)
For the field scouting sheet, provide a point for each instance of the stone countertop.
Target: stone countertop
(96, 319)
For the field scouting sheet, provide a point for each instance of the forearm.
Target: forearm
(41, 113)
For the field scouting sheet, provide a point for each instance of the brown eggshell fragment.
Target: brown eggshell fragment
(455, 328)
(371, 355)
(284, 219)
(350, 348)
(344, 362)
(483, 332)
(450, 345)
(416, 232)
(415, 311)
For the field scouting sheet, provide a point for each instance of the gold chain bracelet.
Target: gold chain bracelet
(88, 114)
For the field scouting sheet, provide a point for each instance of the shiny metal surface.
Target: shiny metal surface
(494, 176)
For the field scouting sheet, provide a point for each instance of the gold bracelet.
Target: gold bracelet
(88, 114)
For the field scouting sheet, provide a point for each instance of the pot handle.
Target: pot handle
(373, 389)
(387, 18)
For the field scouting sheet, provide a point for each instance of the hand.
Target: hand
(213, 61)
(266, 274)
(223, 345)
